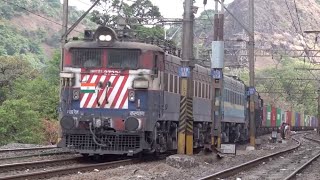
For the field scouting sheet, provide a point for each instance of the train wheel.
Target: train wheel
(85, 155)
(97, 158)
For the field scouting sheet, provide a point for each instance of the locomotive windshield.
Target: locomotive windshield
(123, 58)
(86, 57)
(116, 58)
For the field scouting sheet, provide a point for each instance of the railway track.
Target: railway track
(68, 170)
(72, 165)
(305, 165)
(35, 164)
(24, 153)
(34, 155)
(27, 149)
(263, 161)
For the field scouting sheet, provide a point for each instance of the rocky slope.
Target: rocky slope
(279, 24)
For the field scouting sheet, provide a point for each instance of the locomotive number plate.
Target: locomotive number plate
(137, 113)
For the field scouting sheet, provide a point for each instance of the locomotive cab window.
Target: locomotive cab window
(123, 58)
(86, 58)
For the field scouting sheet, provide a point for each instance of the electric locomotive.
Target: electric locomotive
(123, 98)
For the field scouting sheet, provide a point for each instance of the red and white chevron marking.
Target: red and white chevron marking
(114, 97)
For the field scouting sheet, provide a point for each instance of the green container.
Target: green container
(278, 117)
(268, 120)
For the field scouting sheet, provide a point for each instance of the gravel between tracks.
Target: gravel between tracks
(314, 136)
(59, 165)
(281, 167)
(312, 172)
(208, 164)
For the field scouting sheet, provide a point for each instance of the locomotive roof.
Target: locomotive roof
(115, 45)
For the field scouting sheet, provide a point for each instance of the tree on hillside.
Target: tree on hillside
(139, 12)
(12, 67)
(136, 14)
(19, 123)
(52, 69)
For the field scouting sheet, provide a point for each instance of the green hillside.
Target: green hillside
(29, 67)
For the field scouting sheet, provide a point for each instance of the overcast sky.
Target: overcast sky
(168, 8)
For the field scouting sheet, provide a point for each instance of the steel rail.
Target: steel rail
(27, 149)
(305, 165)
(293, 175)
(34, 164)
(35, 155)
(314, 140)
(70, 170)
(239, 168)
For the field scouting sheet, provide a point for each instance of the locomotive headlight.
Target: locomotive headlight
(108, 38)
(131, 96)
(105, 37)
(141, 84)
(102, 37)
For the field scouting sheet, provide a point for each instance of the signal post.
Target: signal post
(217, 65)
(318, 115)
(251, 74)
(185, 130)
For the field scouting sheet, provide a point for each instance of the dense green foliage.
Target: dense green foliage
(18, 122)
(15, 42)
(30, 95)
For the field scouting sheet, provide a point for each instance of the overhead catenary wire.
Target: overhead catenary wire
(25, 9)
(301, 33)
(98, 7)
(295, 5)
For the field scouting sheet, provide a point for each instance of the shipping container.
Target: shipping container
(273, 116)
(313, 121)
(268, 119)
(307, 122)
(278, 123)
(283, 116)
(288, 117)
(264, 116)
(297, 120)
(293, 118)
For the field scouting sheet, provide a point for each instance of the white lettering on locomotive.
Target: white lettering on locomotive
(73, 111)
(137, 113)
(108, 71)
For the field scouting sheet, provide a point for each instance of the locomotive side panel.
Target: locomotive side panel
(171, 88)
(234, 102)
(201, 95)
